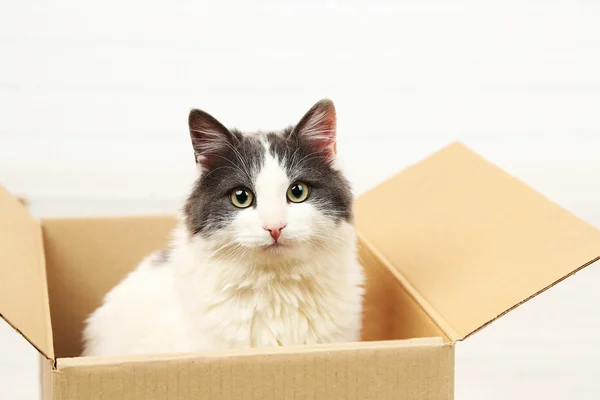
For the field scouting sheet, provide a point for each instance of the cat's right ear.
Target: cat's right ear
(208, 135)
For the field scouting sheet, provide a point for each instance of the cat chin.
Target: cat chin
(282, 253)
(279, 251)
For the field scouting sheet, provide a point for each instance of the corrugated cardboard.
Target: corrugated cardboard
(448, 245)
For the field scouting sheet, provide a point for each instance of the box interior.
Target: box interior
(86, 257)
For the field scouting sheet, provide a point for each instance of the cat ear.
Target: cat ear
(318, 127)
(208, 135)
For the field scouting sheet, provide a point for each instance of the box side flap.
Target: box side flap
(392, 309)
(23, 287)
(474, 241)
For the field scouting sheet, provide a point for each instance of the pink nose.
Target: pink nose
(275, 231)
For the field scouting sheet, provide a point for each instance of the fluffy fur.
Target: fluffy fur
(226, 282)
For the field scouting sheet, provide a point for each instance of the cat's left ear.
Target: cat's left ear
(318, 127)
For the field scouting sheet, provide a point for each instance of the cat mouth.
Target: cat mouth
(275, 246)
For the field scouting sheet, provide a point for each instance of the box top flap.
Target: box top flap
(471, 241)
(23, 286)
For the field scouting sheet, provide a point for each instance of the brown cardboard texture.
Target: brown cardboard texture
(469, 241)
(448, 245)
(23, 288)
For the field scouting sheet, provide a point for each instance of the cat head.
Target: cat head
(275, 194)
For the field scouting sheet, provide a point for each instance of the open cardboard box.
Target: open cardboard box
(449, 245)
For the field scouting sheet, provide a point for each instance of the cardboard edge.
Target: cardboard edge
(173, 216)
(47, 354)
(543, 197)
(46, 370)
(521, 181)
(412, 291)
(463, 146)
(481, 327)
(17, 330)
(75, 362)
(50, 333)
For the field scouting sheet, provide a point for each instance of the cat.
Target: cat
(264, 253)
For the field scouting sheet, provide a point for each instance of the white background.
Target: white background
(94, 100)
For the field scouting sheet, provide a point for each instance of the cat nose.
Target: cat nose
(275, 230)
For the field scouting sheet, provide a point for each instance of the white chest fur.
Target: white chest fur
(313, 303)
(276, 312)
(189, 304)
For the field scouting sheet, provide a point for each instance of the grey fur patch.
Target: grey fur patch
(208, 207)
(330, 191)
(162, 256)
(159, 258)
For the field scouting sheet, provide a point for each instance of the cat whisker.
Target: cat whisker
(239, 156)
(214, 170)
(229, 161)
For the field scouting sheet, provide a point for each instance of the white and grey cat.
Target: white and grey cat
(265, 252)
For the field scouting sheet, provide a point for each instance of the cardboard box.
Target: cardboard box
(449, 245)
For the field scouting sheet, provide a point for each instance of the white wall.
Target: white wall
(94, 100)
(95, 96)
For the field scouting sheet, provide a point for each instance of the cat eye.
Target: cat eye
(297, 192)
(242, 198)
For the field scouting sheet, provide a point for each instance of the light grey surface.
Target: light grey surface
(94, 99)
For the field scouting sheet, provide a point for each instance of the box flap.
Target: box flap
(470, 241)
(23, 288)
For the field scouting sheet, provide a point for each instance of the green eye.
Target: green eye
(297, 192)
(242, 198)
